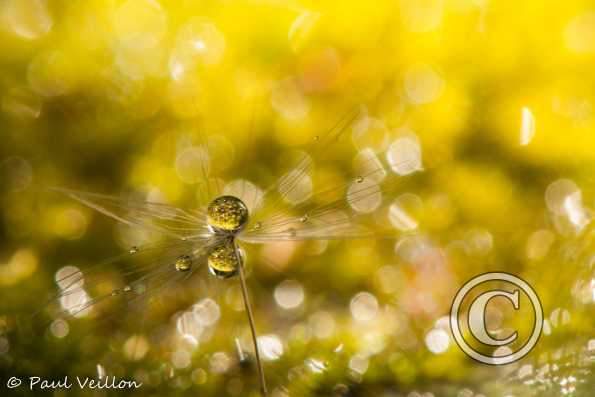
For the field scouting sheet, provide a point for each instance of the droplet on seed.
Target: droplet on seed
(183, 263)
(227, 214)
(223, 261)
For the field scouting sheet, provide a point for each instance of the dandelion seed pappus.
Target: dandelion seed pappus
(190, 254)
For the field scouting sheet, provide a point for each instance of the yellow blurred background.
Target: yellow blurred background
(497, 98)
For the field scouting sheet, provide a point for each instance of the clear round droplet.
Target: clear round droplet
(183, 263)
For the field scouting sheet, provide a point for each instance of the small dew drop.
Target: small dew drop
(116, 292)
(359, 179)
(304, 218)
(257, 225)
(183, 263)
(316, 138)
(127, 288)
(133, 250)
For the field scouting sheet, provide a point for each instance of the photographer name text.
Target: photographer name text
(38, 383)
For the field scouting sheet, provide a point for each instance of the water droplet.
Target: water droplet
(128, 288)
(116, 292)
(223, 261)
(133, 250)
(304, 218)
(316, 138)
(359, 179)
(183, 263)
(227, 214)
(258, 225)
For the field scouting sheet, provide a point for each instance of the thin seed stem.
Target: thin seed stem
(263, 385)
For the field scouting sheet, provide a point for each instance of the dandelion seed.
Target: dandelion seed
(210, 238)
